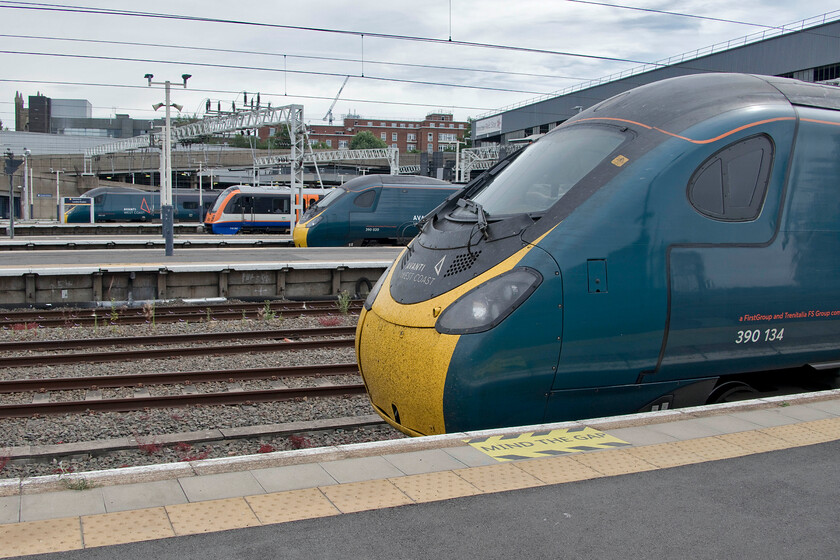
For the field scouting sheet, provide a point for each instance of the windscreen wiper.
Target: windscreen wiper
(480, 214)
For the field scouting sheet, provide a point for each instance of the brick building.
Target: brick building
(432, 134)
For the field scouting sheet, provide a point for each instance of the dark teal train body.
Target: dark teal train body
(127, 204)
(380, 209)
(667, 247)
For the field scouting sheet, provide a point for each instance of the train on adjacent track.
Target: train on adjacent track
(127, 204)
(256, 209)
(373, 209)
(677, 244)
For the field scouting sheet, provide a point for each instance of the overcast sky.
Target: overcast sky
(313, 74)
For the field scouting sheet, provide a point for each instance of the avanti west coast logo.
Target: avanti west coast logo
(418, 272)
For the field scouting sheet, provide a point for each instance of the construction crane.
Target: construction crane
(329, 115)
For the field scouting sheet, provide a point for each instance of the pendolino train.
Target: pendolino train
(256, 209)
(381, 209)
(127, 204)
(674, 245)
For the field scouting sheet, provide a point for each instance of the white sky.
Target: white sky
(555, 25)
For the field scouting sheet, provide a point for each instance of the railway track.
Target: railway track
(306, 338)
(166, 339)
(143, 402)
(282, 343)
(151, 403)
(46, 453)
(164, 314)
(140, 380)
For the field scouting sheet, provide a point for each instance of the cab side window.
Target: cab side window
(365, 200)
(732, 183)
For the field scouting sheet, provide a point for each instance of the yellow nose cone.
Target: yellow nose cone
(299, 235)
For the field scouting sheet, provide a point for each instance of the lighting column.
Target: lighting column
(11, 166)
(167, 213)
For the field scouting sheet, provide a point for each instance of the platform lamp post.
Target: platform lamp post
(166, 211)
(57, 199)
(11, 166)
(200, 196)
(26, 213)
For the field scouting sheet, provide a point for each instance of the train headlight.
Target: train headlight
(487, 305)
(314, 221)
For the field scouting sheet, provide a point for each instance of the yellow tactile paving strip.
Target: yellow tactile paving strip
(295, 505)
(126, 526)
(210, 516)
(235, 513)
(432, 487)
(39, 537)
(361, 496)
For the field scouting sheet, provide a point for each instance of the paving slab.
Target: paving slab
(805, 412)
(832, 406)
(423, 462)
(687, 429)
(282, 507)
(40, 537)
(293, 477)
(143, 495)
(67, 503)
(9, 509)
(728, 423)
(470, 456)
(126, 527)
(641, 435)
(766, 418)
(220, 486)
(361, 469)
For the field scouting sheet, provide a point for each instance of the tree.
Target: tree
(466, 142)
(365, 140)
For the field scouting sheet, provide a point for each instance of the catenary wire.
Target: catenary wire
(156, 15)
(264, 69)
(305, 57)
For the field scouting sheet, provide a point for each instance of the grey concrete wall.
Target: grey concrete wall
(85, 289)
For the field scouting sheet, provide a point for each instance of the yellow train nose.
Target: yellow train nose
(299, 235)
(405, 387)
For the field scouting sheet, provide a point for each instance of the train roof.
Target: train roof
(675, 104)
(104, 190)
(249, 189)
(409, 181)
(131, 190)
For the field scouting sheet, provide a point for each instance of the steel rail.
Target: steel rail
(97, 447)
(177, 308)
(134, 355)
(42, 345)
(123, 316)
(172, 378)
(176, 401)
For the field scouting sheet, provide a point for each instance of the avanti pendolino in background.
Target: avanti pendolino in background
(676, 244)
(128, 204)
(374, 209)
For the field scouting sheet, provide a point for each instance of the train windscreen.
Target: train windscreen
(314, 208)
(221, 198)
(547, 170)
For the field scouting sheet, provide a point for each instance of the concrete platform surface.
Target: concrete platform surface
(193, 259)
(701, 471)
